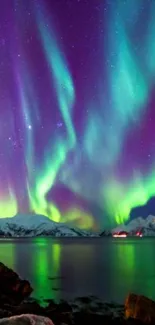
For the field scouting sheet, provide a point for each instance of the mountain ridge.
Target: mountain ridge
(33, 225)
(146, 226)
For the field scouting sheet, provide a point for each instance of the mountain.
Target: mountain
(139, 225)
(32, 225)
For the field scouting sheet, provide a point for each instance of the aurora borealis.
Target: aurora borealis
(77, 109)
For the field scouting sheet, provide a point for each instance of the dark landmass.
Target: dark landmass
(15, 300)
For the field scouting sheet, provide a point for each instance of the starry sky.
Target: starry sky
(77, 109)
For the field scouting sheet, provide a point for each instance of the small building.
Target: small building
(122, 234)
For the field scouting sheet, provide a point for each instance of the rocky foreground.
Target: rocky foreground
(17, 308)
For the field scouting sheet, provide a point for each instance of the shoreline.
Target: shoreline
(82, 310)
(87, 310)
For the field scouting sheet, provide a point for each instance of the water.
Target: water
(67, 268)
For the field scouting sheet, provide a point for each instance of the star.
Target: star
(59, 124)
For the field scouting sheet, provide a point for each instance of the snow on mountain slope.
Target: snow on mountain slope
(31, 225)
(145, 226)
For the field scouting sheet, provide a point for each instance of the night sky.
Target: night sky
(77, 109)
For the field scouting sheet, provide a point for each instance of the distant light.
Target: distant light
(29, 127)
(59, 124)
(139, 234)
(122, 235)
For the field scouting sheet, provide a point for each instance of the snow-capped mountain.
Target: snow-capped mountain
(145, 226)
(32, 225)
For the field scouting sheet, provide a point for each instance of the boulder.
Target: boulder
(28, 319)
(60, 313)
(29, 308)
(140, 308)
(12, 288)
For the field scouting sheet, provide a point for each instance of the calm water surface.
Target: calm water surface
(67, 268)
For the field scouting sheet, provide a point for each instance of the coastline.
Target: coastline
(82, 311)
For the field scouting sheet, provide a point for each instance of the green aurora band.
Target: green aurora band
(54, 157)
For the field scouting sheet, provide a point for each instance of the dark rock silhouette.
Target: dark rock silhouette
(12, 288)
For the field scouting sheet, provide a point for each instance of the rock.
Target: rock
(51, 304)
(29, 308)
(88, 318)
(12, 288)
(59, 318)
(140, 308)
(5, 313)
(59, 313)
(64, 307)
(26, 320)
(84, 300)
